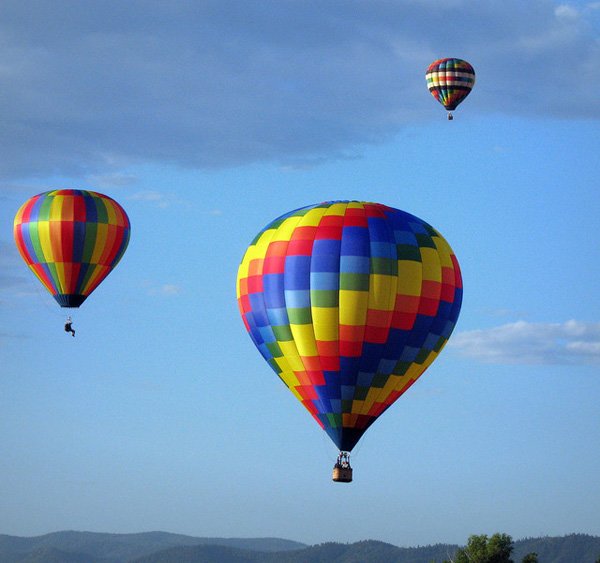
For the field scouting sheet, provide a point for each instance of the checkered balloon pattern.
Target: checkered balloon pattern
(349, 302)
(450, 81)
(71, 240)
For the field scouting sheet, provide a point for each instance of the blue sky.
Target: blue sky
(206, 121)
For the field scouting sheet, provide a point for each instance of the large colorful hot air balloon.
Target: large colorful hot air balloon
(71, 240)
(349, 302)
(450, 82)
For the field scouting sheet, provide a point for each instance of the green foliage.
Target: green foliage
(481, 549)
(530, 558)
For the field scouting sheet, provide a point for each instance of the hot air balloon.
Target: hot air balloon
(71, 240)
(349, 302)
(450, 82)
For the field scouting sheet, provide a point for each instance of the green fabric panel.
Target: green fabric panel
(89, 242)
(379, 380)
(101, 210)
(324, 298)
(401, 368)
(422, 356)
(425, 241)
(44, 213)
(274, 349)
(283, 333)
(53, 274)
(408, 252)
(300, 316)
(386, 266)
(335, 420)
(354, 282)
(35, 241)
(439, 344)
(360, 393)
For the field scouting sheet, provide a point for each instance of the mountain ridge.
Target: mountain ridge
(164, 547)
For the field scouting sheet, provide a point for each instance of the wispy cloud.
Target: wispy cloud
(111, 180)
(216, 84)
(167, 289)
(521, 342)
(154, 197)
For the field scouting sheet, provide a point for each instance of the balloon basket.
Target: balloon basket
(342, 472)
(342, 475)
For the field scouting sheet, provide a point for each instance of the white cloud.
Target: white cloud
(566, 11)
(167, 289)
(521, 342)
(157, 198)
(111, 180)
(170, 289)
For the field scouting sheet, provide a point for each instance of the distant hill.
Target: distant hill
(360, 552)
(162, 547)
(119, 548)
(574, 548)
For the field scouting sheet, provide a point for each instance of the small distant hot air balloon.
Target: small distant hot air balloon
(349, 302)
(71, 240)
(450, 81)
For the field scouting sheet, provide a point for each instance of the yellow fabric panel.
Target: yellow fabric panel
(56, 208)
(287, 373)
(353, 307)
(61, 278)
(338, 209)
(409, 277)
(356, 204)
(101, 236)
(304, 338)
(415, 370)
(382, 292)
(19, 215)
(285, 230)
(444, 252)
(259, 249)
(325, 323)
(432, 270)
(111, 213)
(44, 234)
(391, 384)
(312, 218)
(357, 407)
(290, 353)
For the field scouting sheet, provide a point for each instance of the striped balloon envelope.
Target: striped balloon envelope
(349, 302)
(450, 81)
(71, 240)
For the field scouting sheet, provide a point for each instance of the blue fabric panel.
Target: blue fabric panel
(273, 288)
(355, 265)
(355, 242)
(325, 280)
(297, 299)
(297, 272)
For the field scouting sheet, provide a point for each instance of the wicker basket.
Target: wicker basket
(342, 474)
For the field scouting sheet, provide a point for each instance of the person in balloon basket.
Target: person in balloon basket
(69, 326)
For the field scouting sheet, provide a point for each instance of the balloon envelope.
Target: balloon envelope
(349, 302)
(450, 81)
(71, 240)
